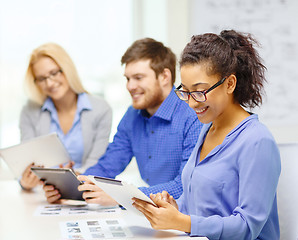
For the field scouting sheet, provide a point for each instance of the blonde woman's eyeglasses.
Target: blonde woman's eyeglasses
(52, 75)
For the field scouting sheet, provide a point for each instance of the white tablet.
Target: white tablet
(64, 179)
(47, 151)
(121, 191)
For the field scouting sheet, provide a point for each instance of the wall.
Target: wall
(273, 23)
(163, 20)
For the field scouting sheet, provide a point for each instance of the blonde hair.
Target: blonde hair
(62, 59)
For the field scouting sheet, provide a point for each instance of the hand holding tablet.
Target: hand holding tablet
(65, 180)
(121, 191)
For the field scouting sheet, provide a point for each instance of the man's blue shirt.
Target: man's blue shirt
(161, 144)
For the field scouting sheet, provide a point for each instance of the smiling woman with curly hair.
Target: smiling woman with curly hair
(230, 180)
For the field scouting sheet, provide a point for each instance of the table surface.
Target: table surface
(17, 220)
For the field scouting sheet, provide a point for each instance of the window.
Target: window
(94, 33)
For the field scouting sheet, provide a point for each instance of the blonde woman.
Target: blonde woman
(59, 103)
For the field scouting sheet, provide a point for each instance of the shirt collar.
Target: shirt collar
(166, 109)
(83, 103)
(206, 127)
(48, 105)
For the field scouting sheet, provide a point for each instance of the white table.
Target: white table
(17, 220)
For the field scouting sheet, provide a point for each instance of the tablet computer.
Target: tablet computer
(121, 191)
(47, 151)
(64, 179)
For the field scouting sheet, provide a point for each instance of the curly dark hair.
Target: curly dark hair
(230, 52)
(160, 56)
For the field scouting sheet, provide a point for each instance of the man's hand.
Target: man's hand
(51, 193)
(70, 164)
(94, 194)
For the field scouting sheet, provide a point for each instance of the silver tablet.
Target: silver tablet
(65, 180)
(47, 151)
(121, 191)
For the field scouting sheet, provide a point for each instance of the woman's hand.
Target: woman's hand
(94, 194)
(166, 197)
(29, 180)
(165, 215)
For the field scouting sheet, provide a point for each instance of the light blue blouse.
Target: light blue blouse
(231, 194)
(73, 139)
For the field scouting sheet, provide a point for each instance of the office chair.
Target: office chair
(287, 192)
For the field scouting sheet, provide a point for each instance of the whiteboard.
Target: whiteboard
(274, 24)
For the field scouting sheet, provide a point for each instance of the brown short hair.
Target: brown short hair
(160, 56)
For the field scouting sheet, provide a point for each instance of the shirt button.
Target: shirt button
(147, 179)
(152, 132)
(149, 157)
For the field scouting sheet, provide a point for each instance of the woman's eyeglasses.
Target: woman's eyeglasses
(199, 96)
(52, 76)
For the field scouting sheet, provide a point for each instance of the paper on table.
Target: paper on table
(67, 210)
(112, 228)
(47, 151)
(121, 191)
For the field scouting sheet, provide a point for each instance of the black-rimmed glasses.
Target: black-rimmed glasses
(199, 96)
(52, 75)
